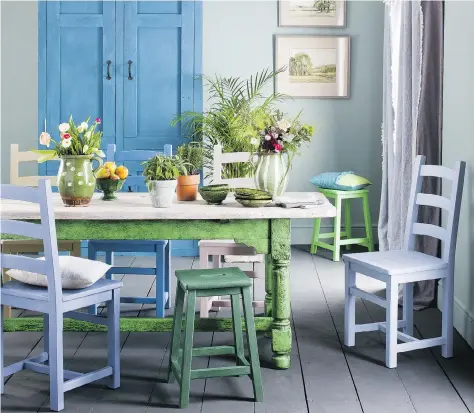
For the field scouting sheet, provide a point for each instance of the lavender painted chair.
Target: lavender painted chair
(53, 302)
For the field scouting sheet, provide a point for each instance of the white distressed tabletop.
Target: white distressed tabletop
(133, 206)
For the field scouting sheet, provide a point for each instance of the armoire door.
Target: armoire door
(80, 65)
(157, 77)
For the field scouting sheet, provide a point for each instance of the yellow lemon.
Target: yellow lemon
(122, 172)
(114, 177)
(103, 173)
(110, 166)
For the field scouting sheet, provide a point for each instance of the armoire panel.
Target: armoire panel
(159, 7)
(81, 69)
(81, 7)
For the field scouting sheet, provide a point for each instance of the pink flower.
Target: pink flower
(267, 137)
(45, 138)
(65, 136)
(98, 121)
(277, 147)
(275, 135)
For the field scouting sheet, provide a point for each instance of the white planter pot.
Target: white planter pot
(272, 173)
(162, 193)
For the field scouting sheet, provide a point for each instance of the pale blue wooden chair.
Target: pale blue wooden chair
(54, 302)
(404, 267)
(161, 248)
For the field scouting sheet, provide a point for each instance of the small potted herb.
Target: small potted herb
(161, 173)
(192, 155)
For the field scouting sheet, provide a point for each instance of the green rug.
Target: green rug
(131, 324)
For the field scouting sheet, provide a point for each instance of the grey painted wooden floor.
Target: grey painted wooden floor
(324, 376)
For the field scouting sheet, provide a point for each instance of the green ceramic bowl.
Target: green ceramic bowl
(109, 187)
(214, 194)
(249, 193)
(253, 203)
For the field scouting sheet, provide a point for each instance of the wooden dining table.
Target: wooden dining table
(132, 217)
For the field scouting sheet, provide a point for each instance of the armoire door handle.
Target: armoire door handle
(108, 77)
(130, 70)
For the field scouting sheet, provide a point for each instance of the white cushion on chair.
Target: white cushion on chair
(76, 273)
(396, 262)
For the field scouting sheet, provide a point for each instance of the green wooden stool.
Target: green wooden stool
(210, 283)
(339, 197)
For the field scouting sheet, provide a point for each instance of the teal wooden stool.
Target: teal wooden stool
(210, 283)
(340, 197)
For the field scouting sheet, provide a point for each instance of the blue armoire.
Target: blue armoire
(134, 64)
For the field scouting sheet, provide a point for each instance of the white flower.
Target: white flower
(64, 127)
(63, 174)
(81, 182)
(73, 168)
(82, 127)
(254, 141)
(267, 137)
(283, 124)
(85, 149)
(80, 174)
(45, 138)
(66, 143)
(88, 134)
(288, 137)
(100, 153)
(69, 184)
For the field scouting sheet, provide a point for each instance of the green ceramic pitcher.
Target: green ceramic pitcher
(76, 179)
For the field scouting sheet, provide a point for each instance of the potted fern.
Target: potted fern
(161, 173)
(192, 155)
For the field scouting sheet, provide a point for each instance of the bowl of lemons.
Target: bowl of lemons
(110, 179)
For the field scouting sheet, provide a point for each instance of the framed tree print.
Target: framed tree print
(316, 13)
(317, 66)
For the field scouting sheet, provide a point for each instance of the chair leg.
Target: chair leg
(46, 334)
(314, 240)
(252, 345)
(349, 307)
(237, 328)
(391, 324)
(109, 259)
(7, 310)
(160, 281)
(92, 255)
(447, 314)
(336, 254)
(176, 330)
(2, 385)
(408, 308)
(216, 263)
(56, 377)
(347, 221)
(168, 273)
(187, 351)
(113, 338)
(368, 222)
(204, 302)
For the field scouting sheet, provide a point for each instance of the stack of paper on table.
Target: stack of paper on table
(299, 200)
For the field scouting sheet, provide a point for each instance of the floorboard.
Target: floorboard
(324, 376)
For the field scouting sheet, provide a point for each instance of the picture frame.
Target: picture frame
(319, 13)
(317, 66)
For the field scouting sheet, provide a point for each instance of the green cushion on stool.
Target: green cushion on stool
(206, 279)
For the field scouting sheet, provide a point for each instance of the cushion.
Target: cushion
(342, 181)
(76, 273)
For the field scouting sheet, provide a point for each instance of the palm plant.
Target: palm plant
(238, 111)
(192, 154)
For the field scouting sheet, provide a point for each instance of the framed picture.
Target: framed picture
(317, 66)
(324, 13)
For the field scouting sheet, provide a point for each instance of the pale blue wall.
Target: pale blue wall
(238, 41)
(458, 144)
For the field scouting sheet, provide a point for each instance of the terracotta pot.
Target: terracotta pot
(187, 188)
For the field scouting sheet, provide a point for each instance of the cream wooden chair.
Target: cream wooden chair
(29, 246)
(228, 250)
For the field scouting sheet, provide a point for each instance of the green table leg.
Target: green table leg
(314, 241)
(336, 254)
(281, 327)
(347, 219)
(268, 306)
(368, 222)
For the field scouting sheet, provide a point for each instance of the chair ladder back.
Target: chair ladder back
(412, 215)
(451, 205)
(221, 158)
(16, 158)
(131, 158)
(46, 231)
